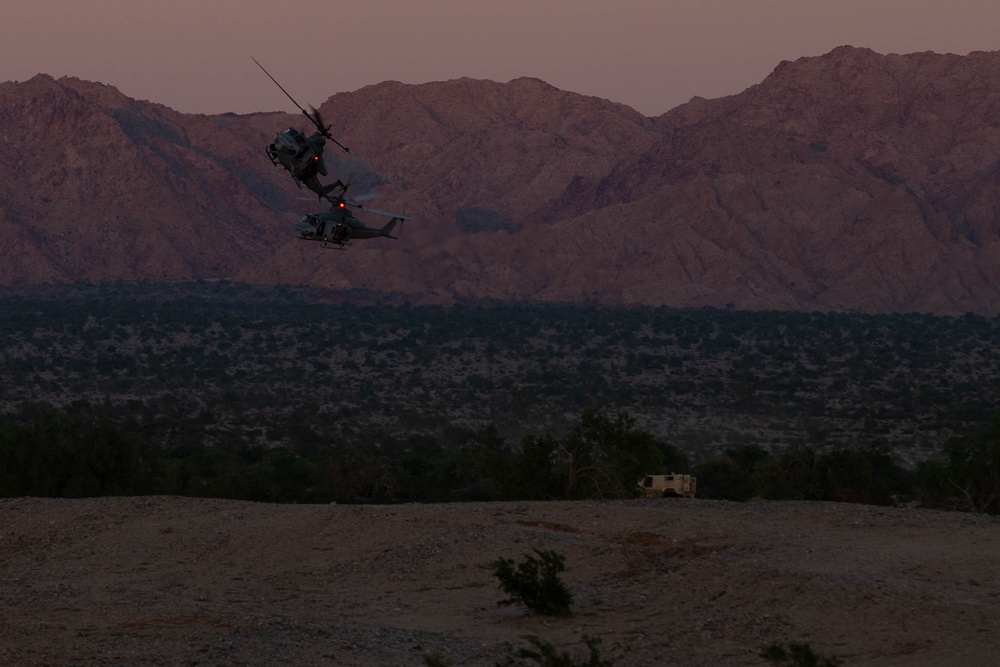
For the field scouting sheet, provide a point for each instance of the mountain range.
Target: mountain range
(852, 181)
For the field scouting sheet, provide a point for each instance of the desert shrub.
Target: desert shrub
(797, 655)
(933, 488)
(435, 660)
(534, 475)
(720, 478)
(535, 583)
(603, 455)
(546, 655)
(791, 476)
(53, 455)
(973, 468)
(867, 475)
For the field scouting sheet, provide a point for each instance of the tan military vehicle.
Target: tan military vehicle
(668, 486)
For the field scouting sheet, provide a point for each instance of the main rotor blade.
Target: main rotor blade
(378, 211)
(282, 89)
(365, 197)
(313, 117)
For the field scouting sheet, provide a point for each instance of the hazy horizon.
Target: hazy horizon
(651, 55)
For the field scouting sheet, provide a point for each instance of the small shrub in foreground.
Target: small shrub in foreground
(546, 655)
(435, 660)
(535, 583)
(797, 655)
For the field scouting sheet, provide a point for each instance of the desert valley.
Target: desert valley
(221, 445)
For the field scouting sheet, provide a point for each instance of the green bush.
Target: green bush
(535, 583)
(973, 469)
(546, 655)
(49, 454)
(720, 478)
(797, 655)
(435, 660)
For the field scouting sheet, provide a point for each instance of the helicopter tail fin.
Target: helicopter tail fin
(387, 229)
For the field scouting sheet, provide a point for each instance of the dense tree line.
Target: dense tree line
(44, 452)
(214, 388)
(223, 361)
(47, 454)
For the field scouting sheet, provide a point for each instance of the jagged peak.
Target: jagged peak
(848, 51)
(531, 82)
(104, 94)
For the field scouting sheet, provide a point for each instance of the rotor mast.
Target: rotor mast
(314, 118)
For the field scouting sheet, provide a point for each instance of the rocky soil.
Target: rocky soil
(177, 581)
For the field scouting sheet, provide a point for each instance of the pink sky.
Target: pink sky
(194, 55)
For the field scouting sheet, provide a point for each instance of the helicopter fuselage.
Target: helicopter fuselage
(302, 156)
(338, 226)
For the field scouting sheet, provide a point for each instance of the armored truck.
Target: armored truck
(668, 486)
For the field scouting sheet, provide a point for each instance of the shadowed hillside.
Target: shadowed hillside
(851, 182)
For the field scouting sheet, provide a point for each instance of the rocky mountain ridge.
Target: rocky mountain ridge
(852, 181)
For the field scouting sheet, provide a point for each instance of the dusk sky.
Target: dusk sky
(194, 55)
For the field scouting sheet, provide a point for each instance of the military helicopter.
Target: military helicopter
(302, 156)
(335, 228)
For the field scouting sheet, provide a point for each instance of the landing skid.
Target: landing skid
(326, 243)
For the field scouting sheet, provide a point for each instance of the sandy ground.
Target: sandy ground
(177, 581)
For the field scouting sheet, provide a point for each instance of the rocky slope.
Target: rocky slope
(850, 181)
